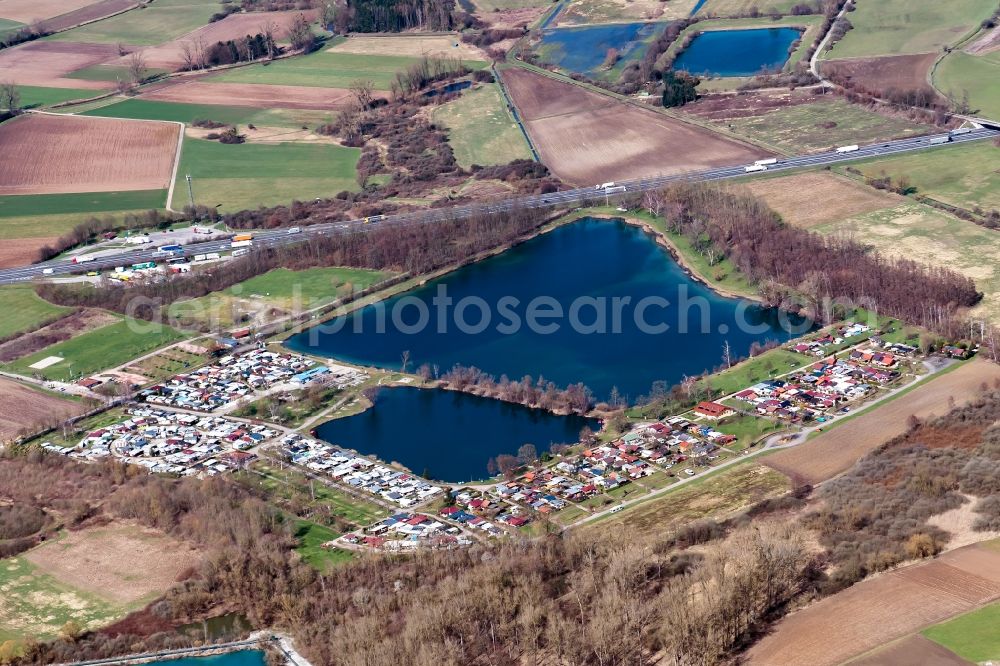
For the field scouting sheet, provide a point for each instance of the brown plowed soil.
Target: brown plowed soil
(913, 651)
(27, 11)
(833, 452)
(905, 72)
(24, 407)
(44, 63)
(21, 251)
(91, 12)
(883, 609)
(585, 137)
(80, 154)
(170, 54)
(254, 95)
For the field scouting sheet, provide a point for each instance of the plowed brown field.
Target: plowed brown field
(24, 407)
(43, 63)
(27, 11)
(810, 199)
(905, 72)
(835, 451)
(877, 611)
(585, 137)
(255, 95)
(79, 154)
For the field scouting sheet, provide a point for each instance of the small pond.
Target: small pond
(448, 435)
(583, 49)
(737, 52)
(239, 658)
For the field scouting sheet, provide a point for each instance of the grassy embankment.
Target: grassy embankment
(24, 310)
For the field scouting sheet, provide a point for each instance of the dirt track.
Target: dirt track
(584, 137)
(22, 407)
(835, 451)
(254, 95)
(80, 154)
(882, 609)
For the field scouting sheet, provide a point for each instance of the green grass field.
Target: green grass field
(248, 175)
(110, 73)
(963, 175)
(743, 7)
(33, 97)
(801, 127)
(892, 27)
(924, 234)
(311, 538)
(24, 310)
(31, 205)
(102, 348)
(481, 129)
(188, 113)
(6, 25)
(37, 605)
(281, 288)
(159, 22)
(326, 70)
(769, 364)
(973, 636)
(746, 429)
(961, 73)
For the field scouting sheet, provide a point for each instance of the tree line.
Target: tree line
(527, 391)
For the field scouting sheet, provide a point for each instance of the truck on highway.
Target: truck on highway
(960, 130)
(751, 168)
(604, 186)
(239, 238)
(83, 259)
(938, 140)
(47, 271)
(240, 243)
(169, 251)
(849, 149)
(769, 161)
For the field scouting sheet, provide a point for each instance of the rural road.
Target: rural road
(563, 198)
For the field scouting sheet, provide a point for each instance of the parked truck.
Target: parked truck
(849, 149)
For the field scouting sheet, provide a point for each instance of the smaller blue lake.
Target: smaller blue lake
(583, 49)
(737, 52)
(449, 435)
(240, 658)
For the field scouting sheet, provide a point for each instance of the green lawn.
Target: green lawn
(803, 127)
(6, 25)
(188, 113)
(248, 175)
(481, 129)
(746, 429)
(325, 69)
(964, 175)
(891, 27)
(36, 605)
(974, 636)
(102, 348)
(979, 76)
(311, 537)
(281, 288)
(31, 205)
(743, 7)
(110, 73)
(156, 23)
(24, 310)
(771, 363)
(37, 96)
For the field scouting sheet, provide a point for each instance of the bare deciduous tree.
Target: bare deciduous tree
(10, 97)
(137, 71)
(363, 90)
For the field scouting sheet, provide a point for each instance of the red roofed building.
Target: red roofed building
(713, 410)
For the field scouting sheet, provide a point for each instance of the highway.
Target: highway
(556, 199)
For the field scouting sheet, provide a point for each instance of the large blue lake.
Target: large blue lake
(446, 434)
(737, 52)
(583, 49)
(615, 286)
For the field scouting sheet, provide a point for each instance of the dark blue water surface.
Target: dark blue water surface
(449, 435)
(597, 259)
(737, 52)
(583, 49)
(240, 658)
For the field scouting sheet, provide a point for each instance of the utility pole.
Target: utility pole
(190, 190)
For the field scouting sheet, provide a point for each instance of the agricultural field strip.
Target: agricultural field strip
(573, 196)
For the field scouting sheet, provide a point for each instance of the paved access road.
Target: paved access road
(562, 198)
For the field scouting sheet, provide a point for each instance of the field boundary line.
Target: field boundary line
(177, 166)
